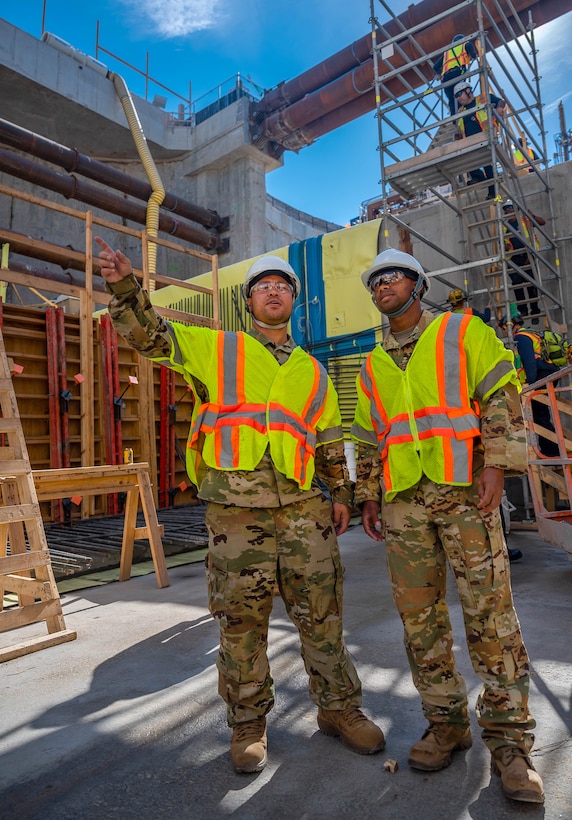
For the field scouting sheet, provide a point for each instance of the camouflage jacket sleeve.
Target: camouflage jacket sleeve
(499, 414)
(135, 319)
(332, 470)
(369, 473)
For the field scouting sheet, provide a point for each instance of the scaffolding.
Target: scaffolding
(424, 157)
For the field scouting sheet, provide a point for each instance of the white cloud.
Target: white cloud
(550, 107)
(553, 43)
(178, 18)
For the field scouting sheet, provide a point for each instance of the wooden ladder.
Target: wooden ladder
(27, 571)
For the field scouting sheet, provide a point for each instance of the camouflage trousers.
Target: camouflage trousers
(425, 528)
(250, 550)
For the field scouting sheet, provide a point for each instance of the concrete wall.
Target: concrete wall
(70, 100)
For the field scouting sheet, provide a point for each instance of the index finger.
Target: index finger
(102, 243)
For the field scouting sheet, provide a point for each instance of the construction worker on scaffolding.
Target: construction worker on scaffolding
(265, 425)
(432, 427)
(458, 301)
(453, 63)
(475, 122)
(520, 160)
(533, 364)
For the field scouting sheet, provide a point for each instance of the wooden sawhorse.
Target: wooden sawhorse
(132, 479)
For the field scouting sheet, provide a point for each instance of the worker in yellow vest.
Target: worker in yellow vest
(533, 365)
(473, 121)
(454, 62)
(522, 161)
(265, 425)
(432, 427)
(458, 301)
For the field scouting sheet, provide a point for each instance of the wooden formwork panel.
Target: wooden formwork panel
(26, 344)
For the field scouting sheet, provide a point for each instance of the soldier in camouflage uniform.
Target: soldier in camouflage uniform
(268, 520)
(435, 404)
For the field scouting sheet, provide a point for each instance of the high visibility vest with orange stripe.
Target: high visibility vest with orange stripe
(254, 403)
(525, 232)
(456, 57)
(520, 159)
(482, 116)
(536, 346)
(424, 419)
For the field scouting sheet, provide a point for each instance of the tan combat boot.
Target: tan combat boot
(520, 780)
(433, 752)
(355, 730)
(248, 746)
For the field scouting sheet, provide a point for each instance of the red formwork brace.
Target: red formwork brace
(167, 418)
(113, 436)
(3, 436)
(56, 460)
(64, 394)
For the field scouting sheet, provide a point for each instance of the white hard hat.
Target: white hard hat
(266, 265)
(461, 86)
(392, 259)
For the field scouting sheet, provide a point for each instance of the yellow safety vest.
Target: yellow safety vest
(424, 419)
(519, 158)
(481, 115)
(455, 57)
(254, 403)
(537, 348)
(525, 232)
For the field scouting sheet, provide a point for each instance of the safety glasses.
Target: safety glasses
(266, 287)
(387, 278)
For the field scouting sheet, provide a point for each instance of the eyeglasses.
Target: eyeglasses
(463, 91)
(266, 287)
(387, 278)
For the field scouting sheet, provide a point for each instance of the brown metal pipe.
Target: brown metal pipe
(72, 188)
(297, 140)
(279, 126)
(354, 55)
(67, 278)
(72, 160)
(543, 12)
(47, 251)
(349, 57)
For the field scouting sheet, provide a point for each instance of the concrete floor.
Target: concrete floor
(125, 722)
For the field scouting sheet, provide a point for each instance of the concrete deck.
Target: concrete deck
(125, 722)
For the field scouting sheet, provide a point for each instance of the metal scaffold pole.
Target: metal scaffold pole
(506, 260)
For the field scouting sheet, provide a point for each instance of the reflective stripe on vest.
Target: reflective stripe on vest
(537, 349)
(535, 339)
(228, 412)
(456, 57)
(453, 419)
(224, 416)
(303, 427)
(482, 116)
(525, 233)
(519, 158)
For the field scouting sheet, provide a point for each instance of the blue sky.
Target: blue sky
(204, 42)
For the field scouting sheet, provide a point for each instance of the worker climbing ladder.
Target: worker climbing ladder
(27, 570)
